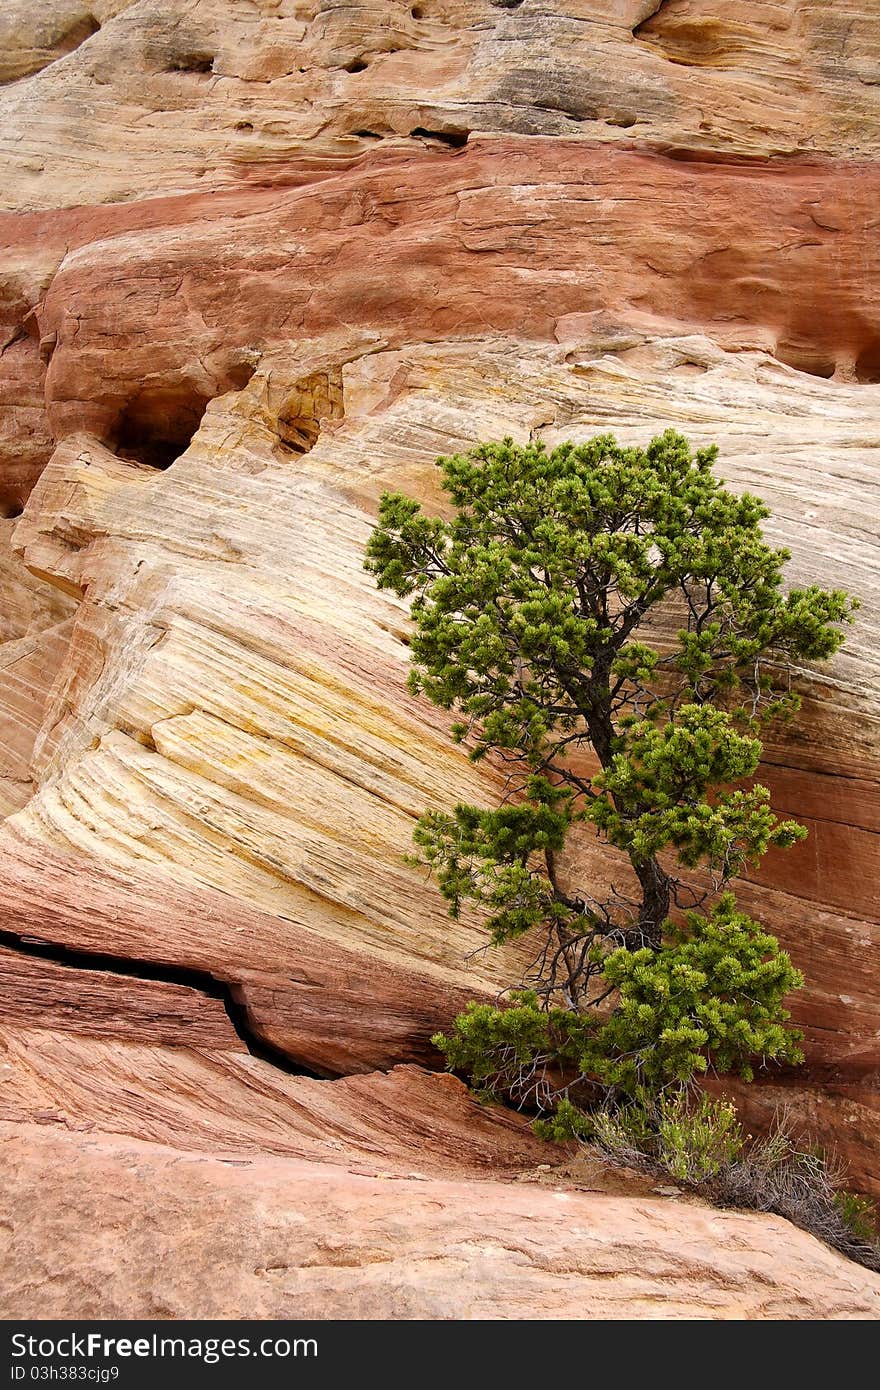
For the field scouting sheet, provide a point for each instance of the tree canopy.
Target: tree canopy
(612, 626)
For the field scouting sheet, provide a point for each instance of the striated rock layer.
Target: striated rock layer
(261, 261)
(163, 95)
(284, 1238)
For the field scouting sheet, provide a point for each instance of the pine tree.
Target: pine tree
(534, 612)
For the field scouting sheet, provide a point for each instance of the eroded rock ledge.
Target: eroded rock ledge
(288, 1238)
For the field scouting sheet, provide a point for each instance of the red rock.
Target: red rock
(700, 251)
(322, 251)
(284, 1238)
(100, 1003)
(332, 1010)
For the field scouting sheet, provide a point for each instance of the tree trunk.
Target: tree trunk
(655, 905)
(654, 883)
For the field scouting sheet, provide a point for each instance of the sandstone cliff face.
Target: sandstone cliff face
(260, 261)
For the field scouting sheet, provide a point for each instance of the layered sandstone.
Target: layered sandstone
(239, 731)
(260, 262)
(213, 95)
(262, 1237)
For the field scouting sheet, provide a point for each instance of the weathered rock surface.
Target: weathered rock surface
(213, 94)
(27, 669)
(261, 261)
(239, 731)
(333, 1008)
(285, 1238)
(205, 1093)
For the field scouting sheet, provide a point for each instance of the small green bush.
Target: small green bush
(698, 1141)
(858, 1213)
(691, 1139)
(695, 1142)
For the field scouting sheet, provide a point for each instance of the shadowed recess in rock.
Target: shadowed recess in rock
(158, 424)
(149, 972)
(868, 364)
(803, 357)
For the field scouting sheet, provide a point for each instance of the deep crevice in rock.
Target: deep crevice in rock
(186, 976)
(314, 399)
(158, 424)
(456, 139)
(191, 62)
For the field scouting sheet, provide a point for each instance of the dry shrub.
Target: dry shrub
(699, 1143)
